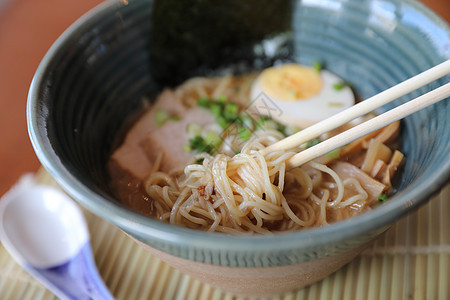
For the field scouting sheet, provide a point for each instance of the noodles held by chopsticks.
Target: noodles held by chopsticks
(248, 192)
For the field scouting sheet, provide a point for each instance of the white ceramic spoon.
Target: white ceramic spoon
(46, 233)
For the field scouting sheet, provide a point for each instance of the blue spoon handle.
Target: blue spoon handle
(75, 279)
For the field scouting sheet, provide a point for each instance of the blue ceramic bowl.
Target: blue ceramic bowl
(96, 74)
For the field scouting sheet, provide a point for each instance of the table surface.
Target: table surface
(27, 29)
(411, 260)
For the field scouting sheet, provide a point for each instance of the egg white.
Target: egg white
(305, 112)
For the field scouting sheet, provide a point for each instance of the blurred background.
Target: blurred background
(27, 29)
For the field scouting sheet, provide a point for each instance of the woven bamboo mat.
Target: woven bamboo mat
(410, 261)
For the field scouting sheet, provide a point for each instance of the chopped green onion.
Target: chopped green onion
(266, 122)
(244, 133)
(333, 154)
(222, 98)
(213, 139)
(262, 120)
(216, 109)
(317, 66)
(199, 161)
(199, 144)
(161, 116)
(382, 198)
(204, 102)
(291, 129)
(187, 148)
(270, 124)
(246, 120)
(281, 128)
(227, 113)
(339, 86)
(230, 117)
(208, 149)
(175, 118)
(231, 111)
(312, 143)
(231, 108)
(193, 129)
(222, 122)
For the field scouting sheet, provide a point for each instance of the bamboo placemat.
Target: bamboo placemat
(410, 261)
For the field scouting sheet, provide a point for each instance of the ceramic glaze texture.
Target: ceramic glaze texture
(98, 73)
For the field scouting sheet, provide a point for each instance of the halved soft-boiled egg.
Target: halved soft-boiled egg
(300, 95)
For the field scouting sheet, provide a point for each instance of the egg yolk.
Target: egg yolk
(291, 82)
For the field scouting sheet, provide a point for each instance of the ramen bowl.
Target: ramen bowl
(95, 77)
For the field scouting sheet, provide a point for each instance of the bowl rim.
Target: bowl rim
(138, 225)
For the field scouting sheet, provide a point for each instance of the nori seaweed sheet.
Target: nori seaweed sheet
(192, 37)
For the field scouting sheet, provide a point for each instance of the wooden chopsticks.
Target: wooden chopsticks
(362, 108)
